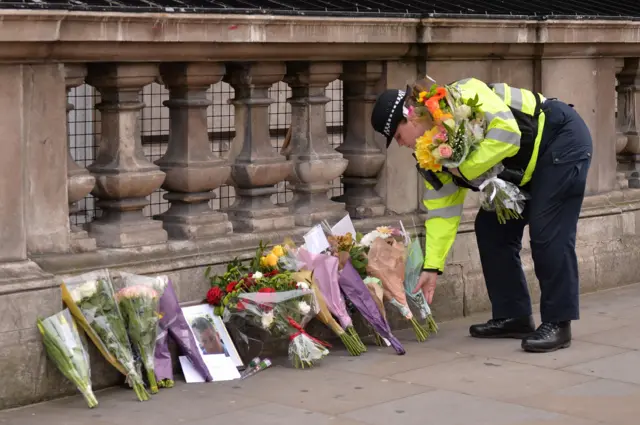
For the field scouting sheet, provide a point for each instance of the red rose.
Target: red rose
(214, 296)
(249, 282)
(232, 286)
(267, 290)
(271, 273)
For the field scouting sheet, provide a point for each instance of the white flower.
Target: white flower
(304, 307)
(302, 285)
(462, 112)
(477, 130)
(85, 290)
(368, 239)
(258, 275)
(267, 320)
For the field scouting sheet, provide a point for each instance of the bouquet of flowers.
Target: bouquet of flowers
(139, 303)
(356, 291)
(174, 325)
(282, 314)
(357, 252)
(305, 280)
(413, 269)
(326, 274)
(90, 299)
(460, 125)
(374, 286)
(271, 300)
(65, 348)
(387, 263)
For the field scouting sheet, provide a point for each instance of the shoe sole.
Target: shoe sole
(547, 350)
(503, 336)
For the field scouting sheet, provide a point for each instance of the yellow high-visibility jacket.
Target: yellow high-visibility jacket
(514, 129)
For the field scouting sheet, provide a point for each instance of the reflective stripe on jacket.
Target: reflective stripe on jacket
(502, 143)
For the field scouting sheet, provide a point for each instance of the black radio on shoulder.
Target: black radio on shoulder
(429, 176)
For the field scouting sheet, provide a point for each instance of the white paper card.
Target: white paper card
(315, 240)
(344, 226)
(221, 367)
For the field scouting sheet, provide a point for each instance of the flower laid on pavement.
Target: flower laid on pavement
(325, 316)
(413, 269)
(139, 304)
(97, 312)
(173, 325)
(65, 348)
(356, 291)
(387, 263)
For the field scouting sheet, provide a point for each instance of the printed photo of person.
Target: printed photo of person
(208, 337)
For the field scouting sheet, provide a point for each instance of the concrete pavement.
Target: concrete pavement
(451, 379)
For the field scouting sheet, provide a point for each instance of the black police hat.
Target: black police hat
(388, 113)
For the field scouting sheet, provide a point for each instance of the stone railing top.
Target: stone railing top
(93, 36)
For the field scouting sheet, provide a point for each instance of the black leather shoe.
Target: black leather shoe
(548, 337)
(504, 328)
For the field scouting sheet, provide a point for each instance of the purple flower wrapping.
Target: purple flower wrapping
(357, 292)
(174, 325)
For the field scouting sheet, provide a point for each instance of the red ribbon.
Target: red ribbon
(301, 331)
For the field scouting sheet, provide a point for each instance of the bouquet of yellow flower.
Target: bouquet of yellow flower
(459, 126)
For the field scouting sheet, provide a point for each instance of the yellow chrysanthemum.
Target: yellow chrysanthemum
(272, 259)
(424, 146)
(278, 250)
(422, 96)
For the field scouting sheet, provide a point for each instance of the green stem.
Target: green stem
(350, 344)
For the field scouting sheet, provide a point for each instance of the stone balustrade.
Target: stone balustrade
(159, 171)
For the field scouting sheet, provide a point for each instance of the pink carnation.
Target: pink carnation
(136, 291)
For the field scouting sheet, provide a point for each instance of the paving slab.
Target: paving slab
(625, 337)
(323, 389)
(384, 362)
(603, 400)
(277, 414)
(491, 377)
(622, 367)
(450, 408)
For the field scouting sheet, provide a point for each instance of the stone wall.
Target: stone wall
(590, 64)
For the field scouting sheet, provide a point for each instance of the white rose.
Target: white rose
(267, 320)
(304, 307)
(87, 289)
(462, 112)
(302, 285)
(258, 275)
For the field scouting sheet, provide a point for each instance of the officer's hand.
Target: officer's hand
(455, 172)
(427, 284)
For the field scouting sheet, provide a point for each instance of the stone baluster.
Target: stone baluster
(80, 182)
(192, 170)
(124, 176)
(365, 158)
(257, 167)
(315, 163)
(628, 119)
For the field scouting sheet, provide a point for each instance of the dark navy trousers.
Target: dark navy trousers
(557, 190)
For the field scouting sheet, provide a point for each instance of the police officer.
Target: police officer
(546, 148)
